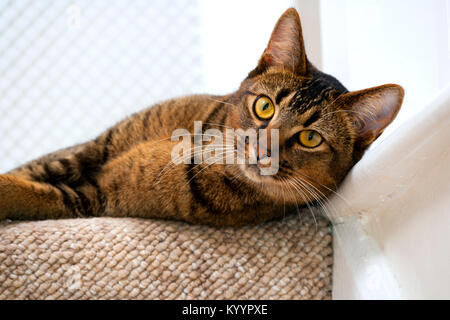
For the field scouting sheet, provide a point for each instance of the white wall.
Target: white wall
(372, 42)
(235, 34)
(392, 232)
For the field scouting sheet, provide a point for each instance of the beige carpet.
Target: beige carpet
(106, 258)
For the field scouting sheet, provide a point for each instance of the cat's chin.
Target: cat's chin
(273, 188)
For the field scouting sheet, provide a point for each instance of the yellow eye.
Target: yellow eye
(264, 108)
(310, 138)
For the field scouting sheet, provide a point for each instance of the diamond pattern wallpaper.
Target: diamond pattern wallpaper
(70, 69)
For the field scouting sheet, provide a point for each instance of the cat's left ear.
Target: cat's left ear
(372, 110)
(286, 47)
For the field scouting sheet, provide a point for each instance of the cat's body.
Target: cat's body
(127, 171)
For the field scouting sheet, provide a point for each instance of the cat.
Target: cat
(323, 130)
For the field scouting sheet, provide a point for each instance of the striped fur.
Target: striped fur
(127, 170)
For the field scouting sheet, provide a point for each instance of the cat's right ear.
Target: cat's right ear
(286, 47)
(372, 110)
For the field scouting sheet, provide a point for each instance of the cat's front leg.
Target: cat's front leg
(144, 182)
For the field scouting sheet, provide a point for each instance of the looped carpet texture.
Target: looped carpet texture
(125, 258)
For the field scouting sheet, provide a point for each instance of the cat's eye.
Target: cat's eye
(310, 138)
(264, 108)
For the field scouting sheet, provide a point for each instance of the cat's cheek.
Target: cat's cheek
(318, 175)
(234, 119)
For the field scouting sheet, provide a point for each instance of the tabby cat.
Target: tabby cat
(127, 171)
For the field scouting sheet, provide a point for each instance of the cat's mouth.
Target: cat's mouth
(281, 187)
(255, 172)
(252, 171)
(269, 184)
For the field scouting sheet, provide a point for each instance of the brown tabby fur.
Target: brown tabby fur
(126, 171)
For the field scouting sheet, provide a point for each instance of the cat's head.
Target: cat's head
(323, 128)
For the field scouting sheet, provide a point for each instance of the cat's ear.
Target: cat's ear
(286, 47)
(372, 110)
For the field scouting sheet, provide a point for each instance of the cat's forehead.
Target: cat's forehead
(273, 82)
(302, 93)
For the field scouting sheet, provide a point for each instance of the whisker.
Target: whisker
(197, 150)
(224, 102)
(172, 164)
(294, 197)
(302, 194)
(306, 191)
(324, 186)
(318, 196)
(326, 208)
(284, 185)
(200, 170)
(219, 125)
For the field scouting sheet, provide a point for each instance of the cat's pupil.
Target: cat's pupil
(264, 108)
(311, 136)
